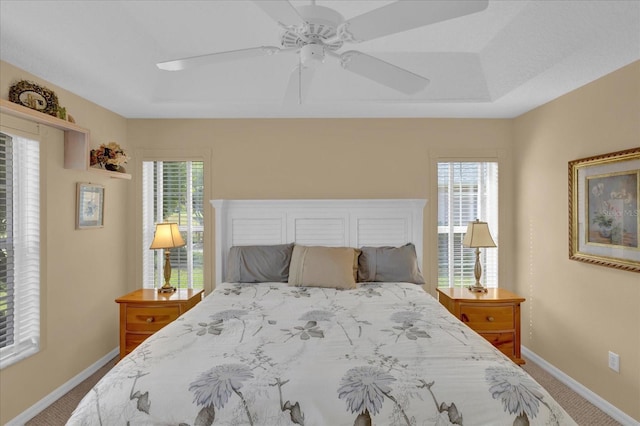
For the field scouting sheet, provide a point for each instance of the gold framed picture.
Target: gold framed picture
(604, 221)
(90, 206)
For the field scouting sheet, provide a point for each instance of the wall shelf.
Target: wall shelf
(76, 138)
(114, 175)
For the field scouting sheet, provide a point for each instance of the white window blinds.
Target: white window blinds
(466, 191)
(19, 248)
(173, 191)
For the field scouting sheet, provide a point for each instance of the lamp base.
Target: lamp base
(166, 289)
(477, 271)
(477, 289)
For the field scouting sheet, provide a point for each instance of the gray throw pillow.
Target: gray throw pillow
(256, 264)
(389, 264)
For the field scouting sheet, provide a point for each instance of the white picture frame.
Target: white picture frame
(89, 206)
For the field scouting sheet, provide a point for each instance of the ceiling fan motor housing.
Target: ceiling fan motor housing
(321, 25)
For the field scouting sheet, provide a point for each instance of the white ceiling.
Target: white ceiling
(501, 62)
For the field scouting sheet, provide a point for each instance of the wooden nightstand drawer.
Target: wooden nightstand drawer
(495, 315)
(505, 342)
(145, 311)
(133, 340)
(485, 317)
(150, 318)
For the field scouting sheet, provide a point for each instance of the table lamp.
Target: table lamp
(167, 236)
(477, 236)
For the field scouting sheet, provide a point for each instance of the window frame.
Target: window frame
(456, 232)
(24, 347)
(155, 168)
(144, 155)
(505, 205)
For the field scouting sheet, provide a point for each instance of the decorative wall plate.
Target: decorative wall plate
(34, 96)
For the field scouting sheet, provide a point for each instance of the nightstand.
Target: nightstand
(145, 311)
(495, 315)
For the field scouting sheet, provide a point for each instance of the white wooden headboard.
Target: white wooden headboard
(340, 223)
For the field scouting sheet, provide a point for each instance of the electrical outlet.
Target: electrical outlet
(614, 361)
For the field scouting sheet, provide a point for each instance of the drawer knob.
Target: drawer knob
(150, 319)
(490, 319)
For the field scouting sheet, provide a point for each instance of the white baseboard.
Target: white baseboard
(612, 411)
(36, 408)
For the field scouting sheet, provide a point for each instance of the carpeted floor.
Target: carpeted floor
(59, 412)
(582, 411)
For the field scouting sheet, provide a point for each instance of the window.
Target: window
(173, 191)
(466, 191)
(19, 248)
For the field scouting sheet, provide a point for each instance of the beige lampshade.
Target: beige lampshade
(167, 236)
(478, 235)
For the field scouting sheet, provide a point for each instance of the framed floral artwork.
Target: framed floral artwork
(90, 206)
(604, 222)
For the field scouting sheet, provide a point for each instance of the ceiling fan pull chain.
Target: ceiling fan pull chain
(299, 80)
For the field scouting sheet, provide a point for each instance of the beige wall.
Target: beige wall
(82, 271)
(326, 158)
(576, 312)
(350, 158)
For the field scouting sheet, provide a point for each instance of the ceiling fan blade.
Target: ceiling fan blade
(214, 58)
(405, 15)
(383, 72)
(299, 84)
(281, 11)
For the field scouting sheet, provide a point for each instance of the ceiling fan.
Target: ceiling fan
(315, 32)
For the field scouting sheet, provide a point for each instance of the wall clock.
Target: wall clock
(34, 96)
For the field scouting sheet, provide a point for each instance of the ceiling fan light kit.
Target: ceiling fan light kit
(311, 55)
(314, 32)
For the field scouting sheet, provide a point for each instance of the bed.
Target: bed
(345, 335)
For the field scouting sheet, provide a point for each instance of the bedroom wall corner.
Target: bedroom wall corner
(576, 312)
(83, 271)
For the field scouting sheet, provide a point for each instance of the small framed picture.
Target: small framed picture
(90, 206)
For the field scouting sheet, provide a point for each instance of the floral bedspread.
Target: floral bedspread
(271, 354)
